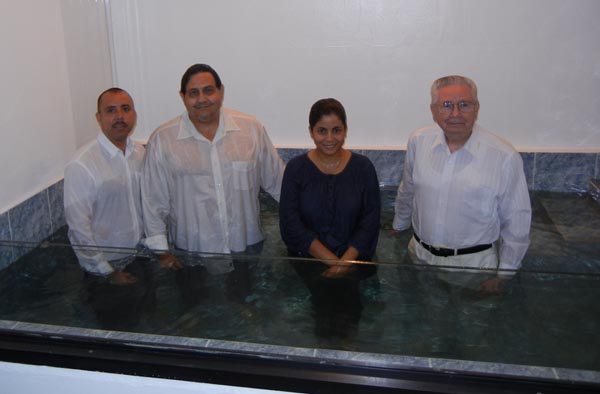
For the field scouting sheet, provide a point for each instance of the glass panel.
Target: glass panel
(548, 313)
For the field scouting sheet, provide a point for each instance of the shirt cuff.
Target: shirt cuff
(399, 225)
(101, 268)
(507, 269)
(157, 242)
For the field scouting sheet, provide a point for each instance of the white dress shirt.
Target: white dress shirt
(476, 195)
(204, 193)
(102, 202)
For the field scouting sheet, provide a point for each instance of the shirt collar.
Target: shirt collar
(470, 146)
(226, 124)
(111, 149)
(472, 143)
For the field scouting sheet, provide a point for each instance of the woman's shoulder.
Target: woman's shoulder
(361, 161)
(298, 161)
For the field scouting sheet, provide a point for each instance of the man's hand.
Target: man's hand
(492, 286)
(392, 232)
(121, 278)
(167, 260)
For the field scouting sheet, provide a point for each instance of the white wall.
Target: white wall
(88, 60)
(35, 105)
(20, 378)
(537, 63)
(51, 72)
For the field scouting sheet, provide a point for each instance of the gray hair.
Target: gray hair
(449, 81)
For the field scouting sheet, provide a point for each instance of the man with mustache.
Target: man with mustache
(102, 200)
(202, 176)
(463, 189)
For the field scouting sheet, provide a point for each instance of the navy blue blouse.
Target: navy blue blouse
(339, 210)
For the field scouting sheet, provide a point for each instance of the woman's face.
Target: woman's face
(328, 134)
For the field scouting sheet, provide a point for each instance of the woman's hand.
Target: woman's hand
(338, 270)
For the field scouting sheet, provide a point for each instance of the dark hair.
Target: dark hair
(324, 107)
(111, 90)
(196, 69)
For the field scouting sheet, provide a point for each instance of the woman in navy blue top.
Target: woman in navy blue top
(329, 210)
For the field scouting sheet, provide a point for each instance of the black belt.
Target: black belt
(444, 252)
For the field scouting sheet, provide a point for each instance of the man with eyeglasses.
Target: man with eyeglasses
(464, 192)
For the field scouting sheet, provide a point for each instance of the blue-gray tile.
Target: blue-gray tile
(55, 201)
(576, 375)
(389, 165)
(564, 172)
(288, 153)
(62, 331)
(8, 324)
(153, 339)
(259, 348)
(494, 369)
(6, 253)
(528, 167)
(374, 359)
(30, 222)
(4, 227)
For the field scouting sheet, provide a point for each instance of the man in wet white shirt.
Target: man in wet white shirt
(202, 176)
(463, 189)
(102, 199)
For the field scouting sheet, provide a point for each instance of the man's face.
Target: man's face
(203, 99)
(116, 117)
(455, 123)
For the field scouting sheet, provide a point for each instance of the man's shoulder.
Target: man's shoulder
(167, 128)
(240, 117)
(493, 141)
(84, 162)
(139, 149)
(430, 129)
(85, 153)
(426, 133)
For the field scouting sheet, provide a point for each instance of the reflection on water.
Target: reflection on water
(548, 314)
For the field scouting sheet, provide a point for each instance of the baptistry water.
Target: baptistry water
(548, 314)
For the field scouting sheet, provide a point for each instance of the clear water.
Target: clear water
(548, 315)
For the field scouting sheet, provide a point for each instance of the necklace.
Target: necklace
(330, 166)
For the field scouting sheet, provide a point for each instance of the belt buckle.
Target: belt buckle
(445, 252)
(438, 251)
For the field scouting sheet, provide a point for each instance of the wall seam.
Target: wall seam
(50, 209)
(10, 230)
(534, 171)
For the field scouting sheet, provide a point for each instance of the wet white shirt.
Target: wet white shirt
(476, 195)
(204, 194)
(102, 202)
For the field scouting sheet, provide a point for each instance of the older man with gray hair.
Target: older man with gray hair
(463, 190)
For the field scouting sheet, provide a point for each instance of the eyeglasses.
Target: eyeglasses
(447, 107)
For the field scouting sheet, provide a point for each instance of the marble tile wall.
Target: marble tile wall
(40, 216)
(31, 221)
(559, 172)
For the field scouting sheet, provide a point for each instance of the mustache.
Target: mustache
(118, 124)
